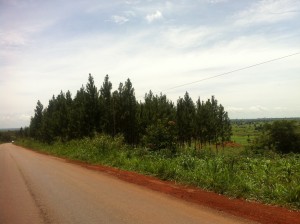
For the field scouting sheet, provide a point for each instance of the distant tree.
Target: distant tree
(185, 118)
(156, 120)
(125, 112)
(50, 121)
(213, 120)
(200, 123)
(129, 109)
(154, 108)
(224, 130)
(106, 107)
(36, 121)
(7, 136)
(282, 136)
(92, 115)
(212, 124)
(79, 128)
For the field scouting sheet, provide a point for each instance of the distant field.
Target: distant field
(245, 130)
(9, 129)
(243, 134)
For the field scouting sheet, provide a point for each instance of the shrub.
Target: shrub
(281, 136)
(161, 135)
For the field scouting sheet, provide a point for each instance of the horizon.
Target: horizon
(242, 119)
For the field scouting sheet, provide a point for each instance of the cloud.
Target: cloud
(280, 108)
(180, 50)
(216, 1)
(154, 16)
(12, 39)
(132, 2)
(258, 108)
(267, 11)
(14, 120)
(120, 19)
(187, 37)
(235, 109)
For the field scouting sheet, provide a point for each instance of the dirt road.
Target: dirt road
(36, 188)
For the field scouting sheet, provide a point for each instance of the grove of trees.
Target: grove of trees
(156, 123)
(282, 136)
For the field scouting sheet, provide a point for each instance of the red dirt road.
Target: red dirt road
(36, 188)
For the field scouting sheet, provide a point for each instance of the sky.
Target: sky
(49, 46)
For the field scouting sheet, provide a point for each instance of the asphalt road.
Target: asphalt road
(36, 188)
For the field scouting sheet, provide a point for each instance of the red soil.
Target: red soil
(232, 144)
(265, 214)
(250, 210)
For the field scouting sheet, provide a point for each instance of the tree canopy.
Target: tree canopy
(281, 136)
(156, 122)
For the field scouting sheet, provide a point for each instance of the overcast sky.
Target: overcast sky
(49, 46)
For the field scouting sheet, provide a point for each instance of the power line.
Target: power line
(236, 70)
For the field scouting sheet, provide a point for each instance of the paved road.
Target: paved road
(36, 188)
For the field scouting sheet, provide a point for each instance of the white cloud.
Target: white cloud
(18, 120)
(267, 11)
(187, 37)
(258, 108)
(154, 16)
(216, 1)
(281, 108)
(12, 39)
(132, 2)
(119, 19)
(235, 109)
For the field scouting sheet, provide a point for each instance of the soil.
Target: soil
(254, 211)
(232, 144)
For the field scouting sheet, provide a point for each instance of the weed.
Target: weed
(270, 178)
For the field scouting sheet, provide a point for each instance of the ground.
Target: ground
(250, 210)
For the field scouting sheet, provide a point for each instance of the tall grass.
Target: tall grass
(273, 179)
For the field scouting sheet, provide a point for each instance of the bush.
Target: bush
(281, 136)
(161, 135)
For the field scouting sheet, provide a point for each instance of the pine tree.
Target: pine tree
(92, 107)
(78, 115)
(36, 121)
(200, 122)
(106, 107)
(185, 119)
(128, 110)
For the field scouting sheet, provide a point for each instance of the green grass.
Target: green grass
(244, 134)
(272, 179)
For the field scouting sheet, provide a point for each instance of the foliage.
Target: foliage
(185, 119)
(92, 112)
(8, 135)
(279, 135)
(273, 179)
(161, 135)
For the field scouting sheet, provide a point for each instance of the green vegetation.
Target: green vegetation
(8, 135)
(113, 113)
(281, 136)
(191, 143)
(271, 178)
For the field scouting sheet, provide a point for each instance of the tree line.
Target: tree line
(155, 123)
(8, 135)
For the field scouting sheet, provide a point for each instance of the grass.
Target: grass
(244, 134)
(269, 178)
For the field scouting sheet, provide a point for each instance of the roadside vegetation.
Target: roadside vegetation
(191, 143)
(268, 177)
